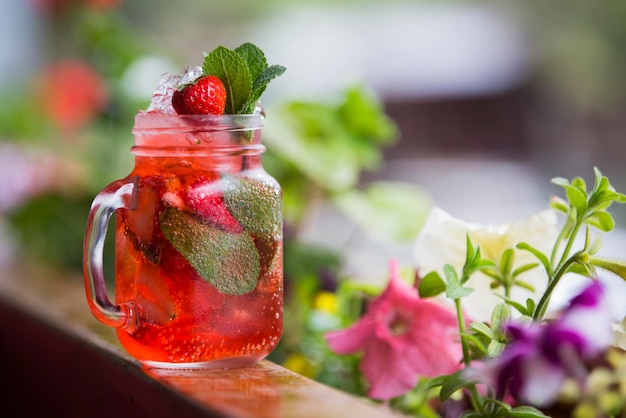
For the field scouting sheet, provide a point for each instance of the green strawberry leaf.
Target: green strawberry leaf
(228, 261)
(254, 58)
(233, 70)
(257, 205)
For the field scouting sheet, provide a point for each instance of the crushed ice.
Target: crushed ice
(162, 95)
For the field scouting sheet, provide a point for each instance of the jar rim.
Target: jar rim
(159, 123)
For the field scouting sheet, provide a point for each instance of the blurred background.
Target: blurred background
(469, 105)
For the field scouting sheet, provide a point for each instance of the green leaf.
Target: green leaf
(506, 261)
(518, 306)
(603, 199)
(471, 414)
(450, 273)
(453, 383)
(524, 285)
(228, 261)
(580, 184)
(610, 264)
(526, 411)
(601, 220)
(253, 57)
(232, 69)
(559, 204)
(601, 182)
(431, 285)
(436, 381)
(595, 246)
(256, 204)
(530, 305)
(495, 348)
(577, 198)
(560, 181)
(364, 117)
(540, 256)
(470, 250)
(456, 291)
(500, 317)
(583, 269)
(482, 328)
(477, 345)
(260, 83)
(524, 268)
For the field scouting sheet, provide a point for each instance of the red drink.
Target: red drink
(198, 278)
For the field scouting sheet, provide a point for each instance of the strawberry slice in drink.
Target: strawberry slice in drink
(141, 224)
(206, 198)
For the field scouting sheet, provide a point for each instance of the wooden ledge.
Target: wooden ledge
(60, 362)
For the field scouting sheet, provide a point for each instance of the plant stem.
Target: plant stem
(475, 397)
(462, 331)
(570, 242)
(542, 306)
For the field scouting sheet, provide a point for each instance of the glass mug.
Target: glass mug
(198, 245)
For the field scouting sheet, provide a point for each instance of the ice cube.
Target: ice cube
(162, 95)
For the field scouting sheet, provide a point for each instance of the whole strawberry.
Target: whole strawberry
(206, 96)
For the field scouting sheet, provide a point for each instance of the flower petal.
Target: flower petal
(388, 371)
(589, 316)
(442, 241)
(542, 381)
(352, 339)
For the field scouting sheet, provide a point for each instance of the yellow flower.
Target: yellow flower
(326, 301)
(442, 241)
(298, 363)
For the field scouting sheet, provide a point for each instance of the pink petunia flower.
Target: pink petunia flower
(402, 337)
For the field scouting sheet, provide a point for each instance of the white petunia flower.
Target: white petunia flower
(442, 241)
(619, 331)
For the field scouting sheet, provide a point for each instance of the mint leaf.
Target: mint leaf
(233, 70)
(228, 261)
(256, 204)
(260, 83)
(254, 58)
(245, 74)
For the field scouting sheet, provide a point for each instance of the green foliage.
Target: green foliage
(385, 210)
(50, 229)
(588, 208)
(488, 340)
(331, 143)
(317, 151)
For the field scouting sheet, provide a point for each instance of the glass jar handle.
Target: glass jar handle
(117, 195)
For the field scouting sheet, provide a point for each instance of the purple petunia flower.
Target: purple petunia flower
(540, 356)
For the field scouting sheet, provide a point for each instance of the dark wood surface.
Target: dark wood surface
(60, 362)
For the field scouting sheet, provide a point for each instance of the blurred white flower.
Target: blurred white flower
(442, 241)
(620, 334)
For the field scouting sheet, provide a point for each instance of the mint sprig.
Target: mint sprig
(245, 74)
